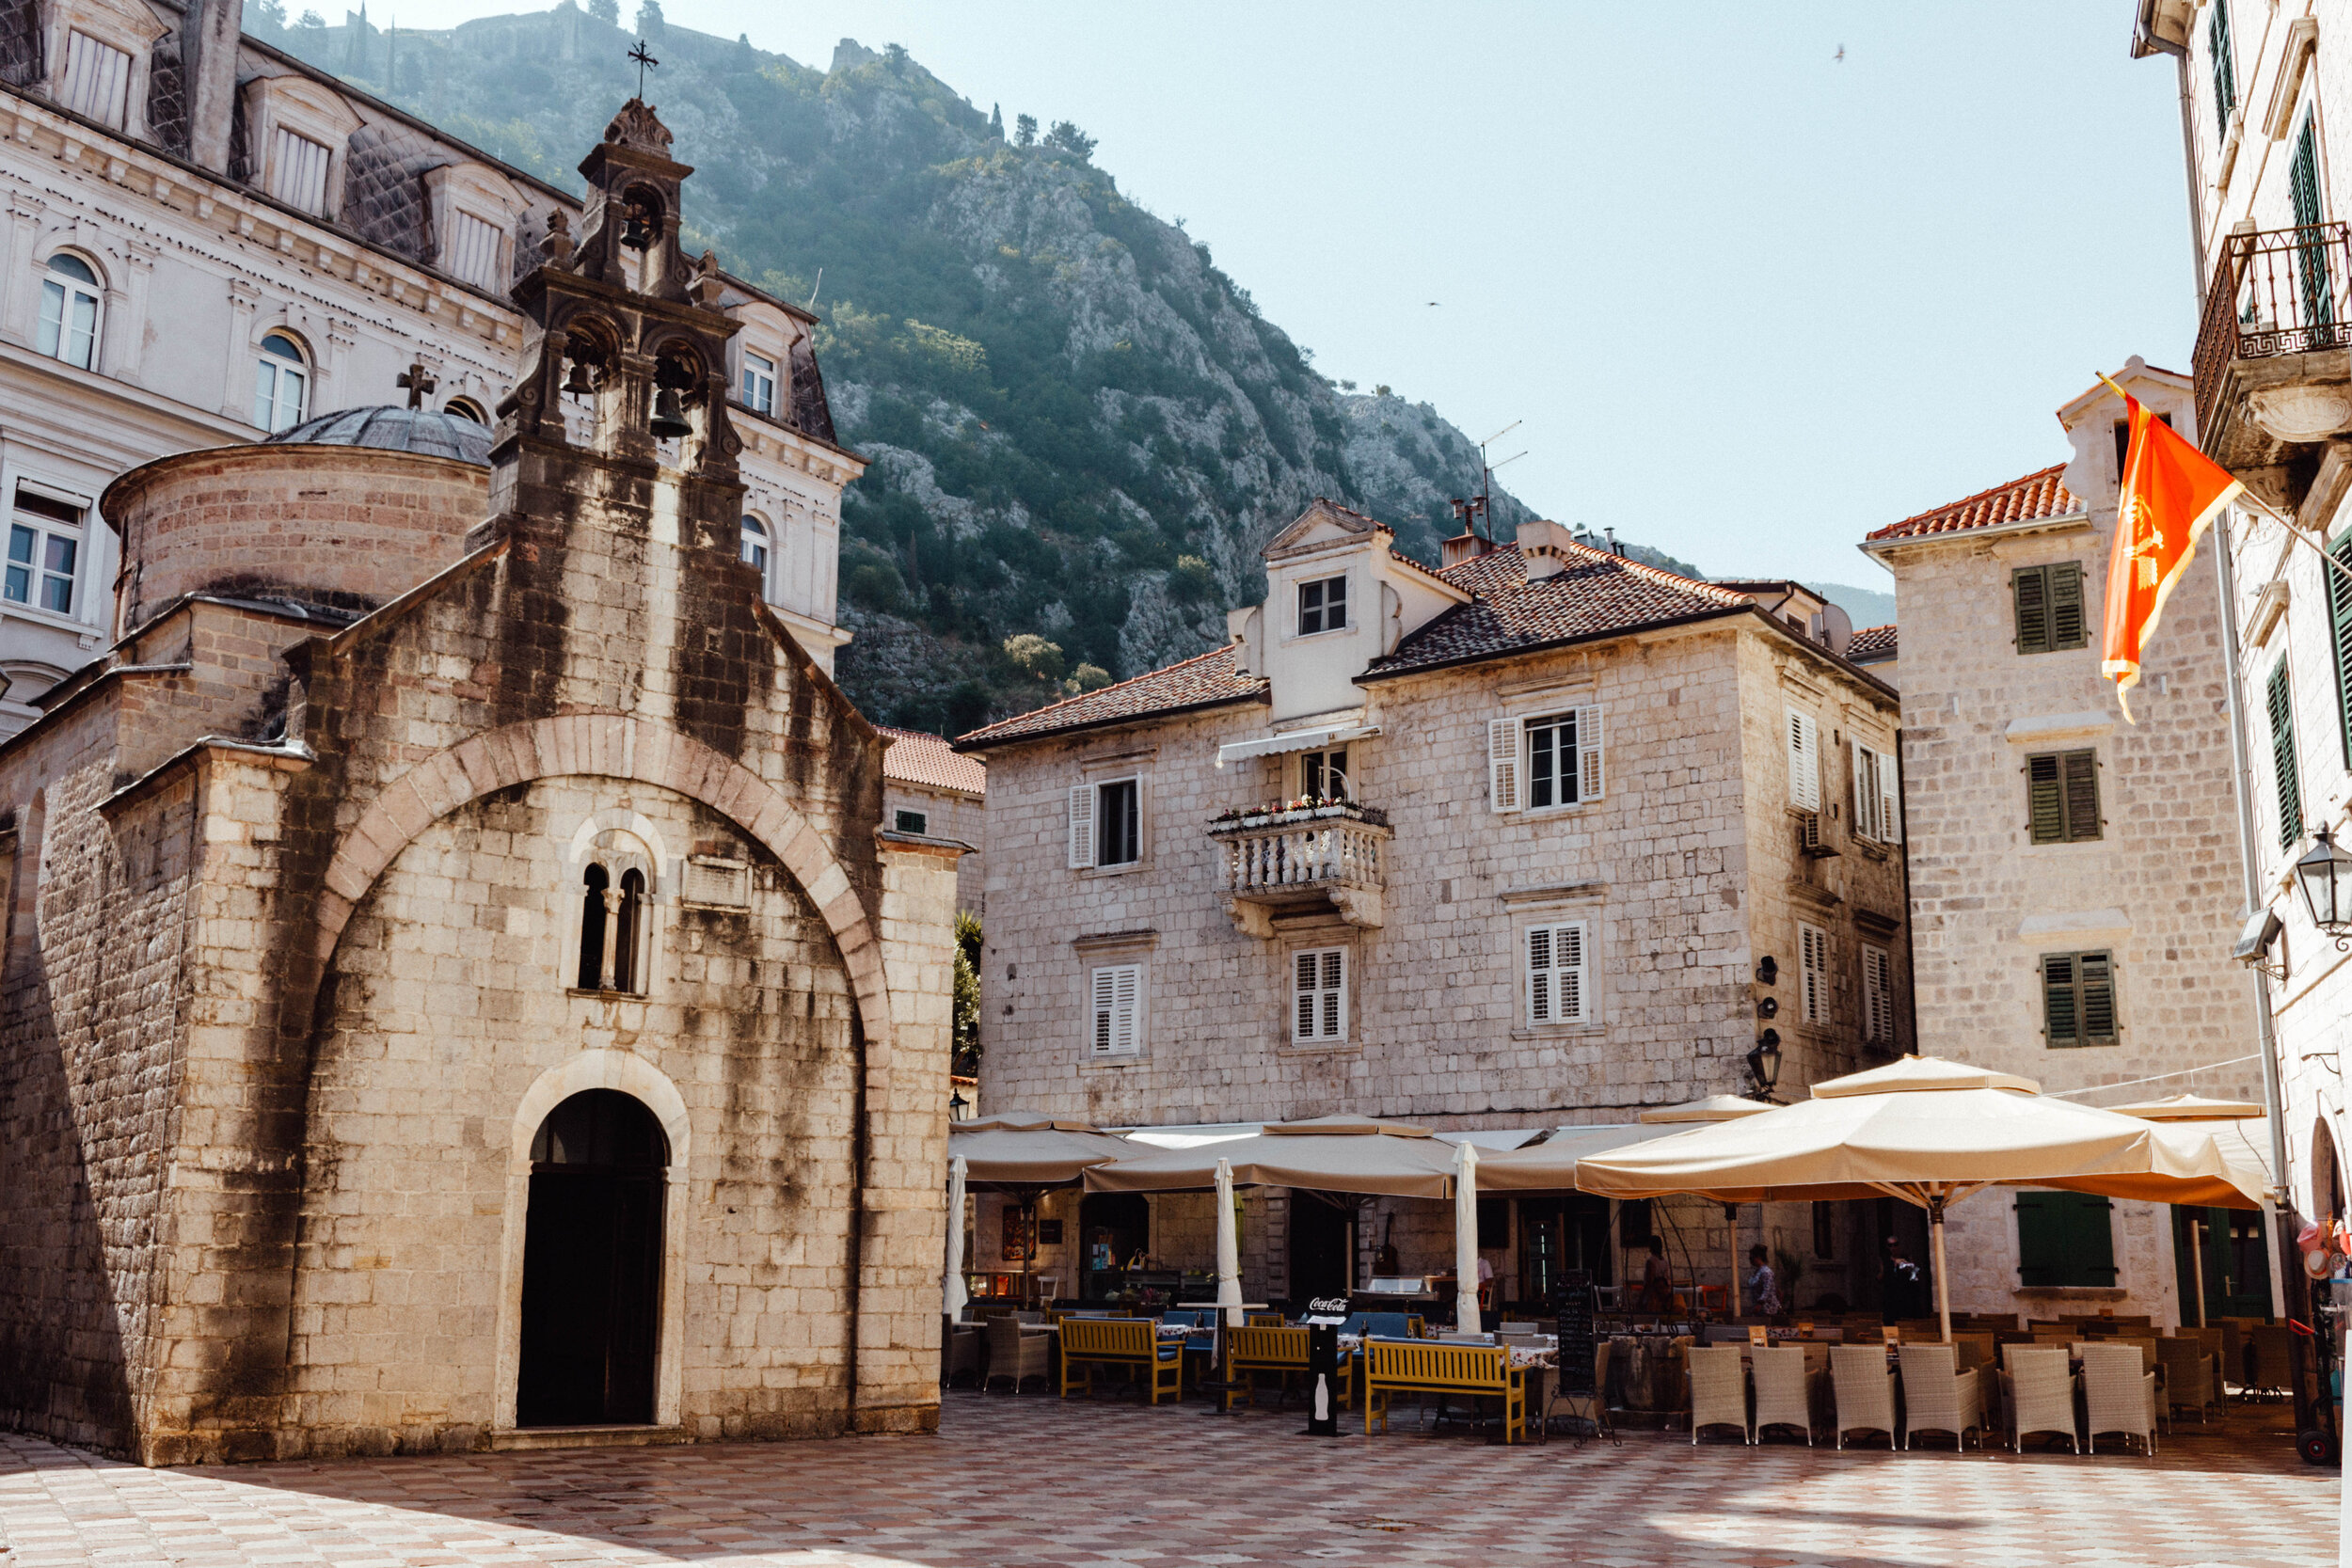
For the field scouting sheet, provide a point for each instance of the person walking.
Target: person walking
(1763, 1284)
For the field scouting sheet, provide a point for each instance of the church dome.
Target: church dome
(392, 429)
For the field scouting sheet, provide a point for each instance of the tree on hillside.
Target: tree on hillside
(606, 11)
(997, 120)
(1069, 138)
(1025, 131)
(649, 18)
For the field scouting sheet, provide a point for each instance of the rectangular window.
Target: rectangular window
(1558, 974)
(1319, 995)
(2079, 999)
(1323, 774)
(1554, 760)
(297, 170)
(1878, 996)
(2049, 606)
(2285, 768)
(1105, 823)
(1877, 807)
(1322, 605)
(2062, 797)
(2224, 55)
(97, 81)
(2064, 1239)
(1118, 1010)
(2340, 635)
(1804, 761)
(913, 822)
(1813, 973)
(44, 551)
(2303, 189)
(759, 384)
(471, 254)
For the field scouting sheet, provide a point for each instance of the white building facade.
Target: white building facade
(205, 237)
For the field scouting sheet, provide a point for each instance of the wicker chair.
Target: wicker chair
(959, 1349)
(1939, 1397)
(2192, 1376)
(1864, 1391)
(1784, 1390)
(2119, 1394)
(1719, 1389)
(2274, 1357)
(2040, 1393)
(1017, 1355)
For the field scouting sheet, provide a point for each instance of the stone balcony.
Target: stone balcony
(1302, 858)
(2274, 356)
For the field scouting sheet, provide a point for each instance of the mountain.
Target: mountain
(1869, 607)
(1082, 430)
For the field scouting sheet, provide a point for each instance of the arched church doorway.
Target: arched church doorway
(592, 1264)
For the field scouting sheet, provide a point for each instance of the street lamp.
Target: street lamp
(956, 1105)
(1764, 1064)
(2326, 876)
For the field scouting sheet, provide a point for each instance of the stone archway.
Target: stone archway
(615, 745)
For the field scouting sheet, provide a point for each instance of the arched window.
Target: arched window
(755, 545)
(629, 924)
(466, 408)
(592, 923)
(282, 383)
(69, 311)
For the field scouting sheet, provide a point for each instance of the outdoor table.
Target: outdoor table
(1223, 1384)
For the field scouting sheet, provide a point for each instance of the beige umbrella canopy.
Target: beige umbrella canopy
(1550, 1166)
(1328, 1154)
(1715, 1108)
(2190, 1107)
(1928, 1131)
(1020, 1151)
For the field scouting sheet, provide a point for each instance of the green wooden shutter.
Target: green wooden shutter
(2224, 55)
(2045, 800)
(2095, 976)
(2064, 1239)
(2282, 760)
(2031, 586)
(2339, 626)
(2319, 302)
(2040, 1239)
(2081, 772)
(2068, 629)
(2061, 1015)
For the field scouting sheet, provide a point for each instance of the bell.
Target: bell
(636, 231)
(578, 380)
(669, 417)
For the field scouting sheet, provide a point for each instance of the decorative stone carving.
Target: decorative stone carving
(2301, 413)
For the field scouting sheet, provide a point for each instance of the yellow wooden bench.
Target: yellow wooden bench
(1275, 1350)
(1089, 1342)
(1393, 1366)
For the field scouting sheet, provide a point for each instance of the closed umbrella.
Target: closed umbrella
(952, 1291)
(1466, 1238)
(1927, 1130)
(1228, 1246)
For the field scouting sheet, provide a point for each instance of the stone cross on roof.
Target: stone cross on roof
(417, 380)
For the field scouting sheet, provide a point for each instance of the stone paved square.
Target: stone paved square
(1033, 1481)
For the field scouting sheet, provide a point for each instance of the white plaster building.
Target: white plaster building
(1528, 840)
(2076, 879)
(205, 237)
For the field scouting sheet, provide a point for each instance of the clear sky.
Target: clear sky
(1749, 300)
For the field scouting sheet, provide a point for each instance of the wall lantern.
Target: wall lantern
(2325, 877)
(958, 1106)
(1764, 1064)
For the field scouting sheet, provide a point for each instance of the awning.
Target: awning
(1193, 1137)
(1292, 740)
(1494, 1137)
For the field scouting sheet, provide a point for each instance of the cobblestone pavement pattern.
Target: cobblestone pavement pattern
(1030, 1480)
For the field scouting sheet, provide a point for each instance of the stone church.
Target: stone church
(460, 990)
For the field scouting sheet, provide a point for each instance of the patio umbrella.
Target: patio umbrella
(1927, 1130)
(2190, 1107)
(952, 1290)
(1715, 1108)
(1228, 1246)
(1022, 1153)
(1466, 1238)
(1328, 1154)
(2239, 1134)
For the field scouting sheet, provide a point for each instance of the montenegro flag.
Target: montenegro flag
(2171, 493)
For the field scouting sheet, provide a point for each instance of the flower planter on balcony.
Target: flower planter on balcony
(1300, 859)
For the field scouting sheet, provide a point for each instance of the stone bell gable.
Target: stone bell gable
(403, 911)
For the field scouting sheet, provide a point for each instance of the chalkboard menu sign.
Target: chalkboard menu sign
(1577, 1340)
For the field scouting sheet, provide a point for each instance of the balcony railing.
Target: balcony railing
(1293, 855)
(2275, 292)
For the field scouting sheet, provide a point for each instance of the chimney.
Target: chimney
(208, 75)
(1464, 546)
(1544, 546)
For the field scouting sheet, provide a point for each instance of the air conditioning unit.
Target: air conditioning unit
(1810, 842)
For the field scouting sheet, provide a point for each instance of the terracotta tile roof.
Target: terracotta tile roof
(2021, 500)
(1596, 594)
(929, 762)
(1872, 642)
(1205, 680)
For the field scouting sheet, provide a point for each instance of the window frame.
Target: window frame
(2286, 760)
(1510, 759)
(752, 523)
(45, 530)
(125, 67)
(2070, 791)
(1813, 974)
(2056, 587)
(2079, 985)
(902, 820)
(1087, 823)
(2055, 1244)
(1877, 795)
(51, 337)
(750, 381)
(1801, 737)
(1103, 1010)
(1330, 1019)
(271, 371)
(1317, 773)
(278, 176)
(2221, 57)
(1541, 984)
(1323, 608)
(1878, 994)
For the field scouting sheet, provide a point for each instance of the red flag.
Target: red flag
(2172, 492)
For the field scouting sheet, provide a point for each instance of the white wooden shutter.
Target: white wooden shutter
(1319, 994)
(1813, 955)
(1589, 775)
(471, 252)
(97, 80)
(1116, 991)
(1865, 792)
(1081, 826)
(1878, 996)
(1502, 763)
(297, 170)
(1557, 988)
(1890, 800)
(1804, 761)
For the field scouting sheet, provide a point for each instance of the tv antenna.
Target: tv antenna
(644, 59)
(1467, 510)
